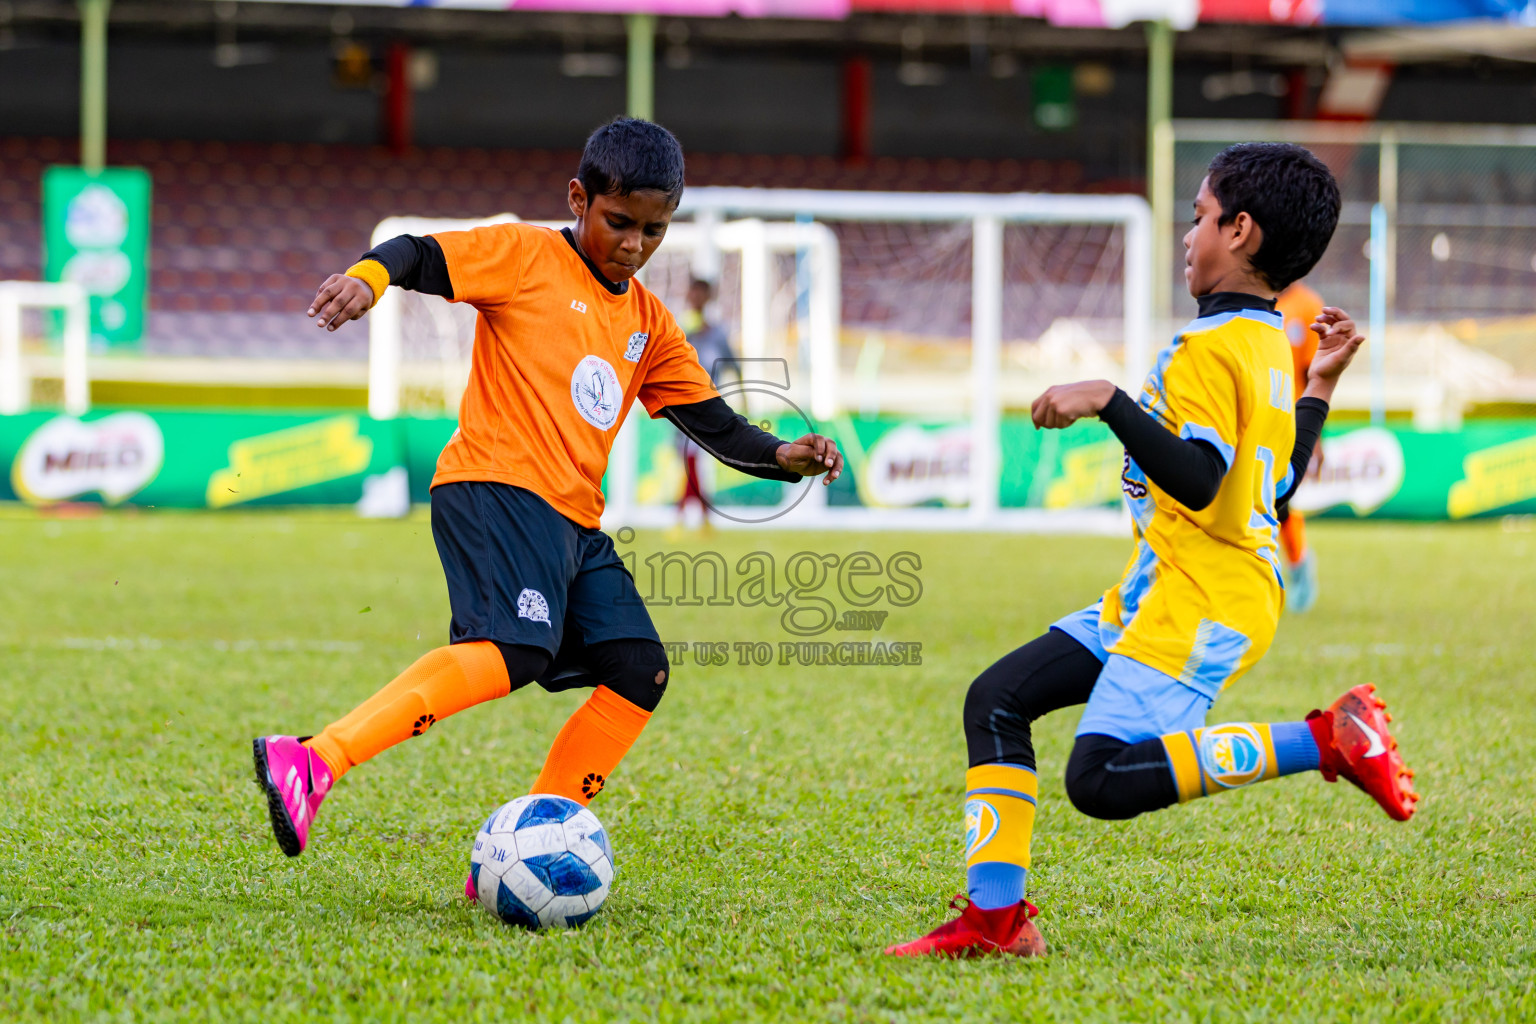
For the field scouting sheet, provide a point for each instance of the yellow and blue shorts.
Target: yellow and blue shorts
(1131, 701)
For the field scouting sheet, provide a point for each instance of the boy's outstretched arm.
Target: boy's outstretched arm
(408, 261)
(727, 436)
(1188, 471)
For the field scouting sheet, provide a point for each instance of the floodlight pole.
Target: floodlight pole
(1377, 336)
(93, 84)
(1160, 162)
(642, 66)
(1387, 194)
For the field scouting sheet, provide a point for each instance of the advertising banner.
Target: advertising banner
(1068, 13)
(96, 234)
(203, 460)
(828, 9)
(895, 462)
(1485, 469)
(219, 460)
(1386, 473)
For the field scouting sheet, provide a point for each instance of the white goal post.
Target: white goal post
(15, 380)
(987, 213)
(755, 240)
(388, 358)
(735, 235)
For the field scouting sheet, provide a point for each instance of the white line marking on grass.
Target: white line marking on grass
(150, 643)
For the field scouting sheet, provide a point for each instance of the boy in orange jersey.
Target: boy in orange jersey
(1300, 306)
(565, 340)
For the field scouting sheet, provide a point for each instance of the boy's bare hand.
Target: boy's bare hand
(812, 455)
(1337, 342)
(1065, 404)
(340, 299)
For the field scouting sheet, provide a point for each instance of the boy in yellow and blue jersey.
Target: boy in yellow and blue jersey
(1214, 447)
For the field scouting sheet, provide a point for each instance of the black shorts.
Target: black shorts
(521, 573)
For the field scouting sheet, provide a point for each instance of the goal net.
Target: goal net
(1452, 211)
(914, 328)
(419, 346)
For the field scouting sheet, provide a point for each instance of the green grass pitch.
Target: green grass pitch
(774, 828)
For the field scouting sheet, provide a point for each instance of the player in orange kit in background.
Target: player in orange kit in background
(1300, 306)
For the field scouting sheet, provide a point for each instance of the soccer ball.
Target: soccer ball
(542, 861)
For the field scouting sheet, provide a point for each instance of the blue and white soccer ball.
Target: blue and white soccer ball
(542, 861)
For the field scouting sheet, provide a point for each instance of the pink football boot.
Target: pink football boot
(296, 780)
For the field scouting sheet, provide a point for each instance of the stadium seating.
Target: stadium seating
(242, 233)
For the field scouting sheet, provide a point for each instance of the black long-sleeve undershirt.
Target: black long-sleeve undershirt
(727, 436)
(1311, 414)
(1190, 471)
(414, 262)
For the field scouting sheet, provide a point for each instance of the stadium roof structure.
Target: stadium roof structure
(1067, 13)
(1071, 13)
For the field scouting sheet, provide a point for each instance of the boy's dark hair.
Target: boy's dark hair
(1290, 194)
(630, 155)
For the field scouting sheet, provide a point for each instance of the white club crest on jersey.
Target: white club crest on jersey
(531, 605)
(636, 347)
(596, 392)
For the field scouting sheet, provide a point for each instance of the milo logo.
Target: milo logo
(116, 457)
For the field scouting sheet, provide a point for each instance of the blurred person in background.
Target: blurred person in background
(1300, 306)
(714, 348)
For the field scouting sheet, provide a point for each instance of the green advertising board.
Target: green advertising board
(221, 460)
(96, 234)
(1485, 469)
(204, 459)
(906, 462)
(1053, 97)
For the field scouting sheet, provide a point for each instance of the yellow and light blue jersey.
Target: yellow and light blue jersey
(1202, 594)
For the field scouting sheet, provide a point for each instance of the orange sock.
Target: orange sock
(590, 746)
(1293, 538)
(441, 683)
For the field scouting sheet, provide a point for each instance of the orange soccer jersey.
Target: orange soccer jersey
(559, 356)
(1300, 306)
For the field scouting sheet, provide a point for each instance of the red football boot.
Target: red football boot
(978, 932)
(1354, 741)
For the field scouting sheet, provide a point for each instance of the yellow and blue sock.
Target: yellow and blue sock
(999, 818)
(1236, 754)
